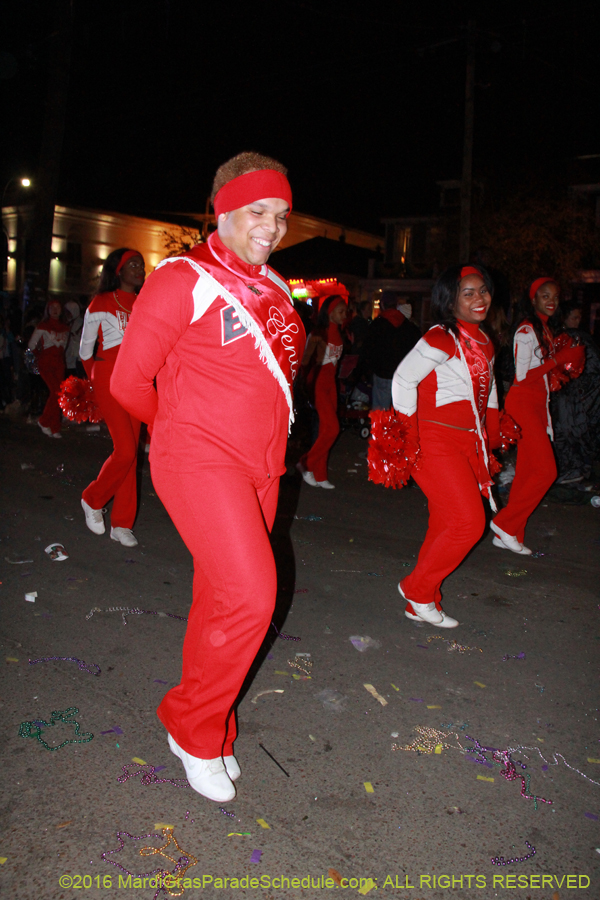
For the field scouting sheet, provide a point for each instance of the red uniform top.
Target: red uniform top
(50, 337)
(224, 342)
(434, 374)
(105, 321)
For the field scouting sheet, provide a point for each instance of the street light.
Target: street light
(24, 182)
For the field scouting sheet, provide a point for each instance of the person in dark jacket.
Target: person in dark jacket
(390, 337)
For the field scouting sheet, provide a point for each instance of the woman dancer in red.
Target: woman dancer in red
(445, 389)
(105, 321)
(528, 403)
(321, 358)
(49, 340)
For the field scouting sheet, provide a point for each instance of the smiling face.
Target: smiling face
(133, 274)
(546, 299)
(252, 232)
(473, 300)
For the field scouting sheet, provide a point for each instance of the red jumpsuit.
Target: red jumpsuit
(322, 380)
(105, 321)
(224, 342)
(528, 403)
(432, 385)
(51, 336)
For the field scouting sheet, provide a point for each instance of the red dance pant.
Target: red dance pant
(51, 366)
(448, 478)
(224, 517)
(118, 475)
(535, 471)
(315, 460)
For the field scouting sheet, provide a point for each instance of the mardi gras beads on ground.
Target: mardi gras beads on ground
(500, 861)
(66, 716)
(80, 663)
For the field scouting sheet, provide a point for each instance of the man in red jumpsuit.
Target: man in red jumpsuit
(218, 330)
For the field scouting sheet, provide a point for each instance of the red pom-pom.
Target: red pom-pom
(76, 399)
(393, 450)
(562, 374)
(510, 432)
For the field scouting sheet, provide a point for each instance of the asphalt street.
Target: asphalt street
(361, 772)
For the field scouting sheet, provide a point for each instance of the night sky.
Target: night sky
(364, 102)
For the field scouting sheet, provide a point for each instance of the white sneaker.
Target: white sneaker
(508, 541)
(206, 776)
(46, 431)
(326, 484)
(447, 621)
(427, 612)
(56, 434)
(93, 518)
(232, 766)
(310, 479)
(124, 536)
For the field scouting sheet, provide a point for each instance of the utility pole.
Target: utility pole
(466, 185)
(46, 182)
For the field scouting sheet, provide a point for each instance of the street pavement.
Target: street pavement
(329, 794)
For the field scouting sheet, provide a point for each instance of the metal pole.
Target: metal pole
(466, 186)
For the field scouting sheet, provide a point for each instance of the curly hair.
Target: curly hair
(249, 161)
(445, 295)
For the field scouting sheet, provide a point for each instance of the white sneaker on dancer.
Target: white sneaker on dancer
(508, 541)
(46, 431)
(310, 479)
(93, 518)
(232, 766)
(206, 776)
(447, 621)
(428, 612)
(325, 484)
(124, 536)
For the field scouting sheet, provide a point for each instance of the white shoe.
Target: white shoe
(93, 518)
(325, 484)
(56, 434)
(447, 621)
(427, 612)
(508, 541)
(232, 766)
(310, 479)
(46, 431)
(124, 536)
(206, 776)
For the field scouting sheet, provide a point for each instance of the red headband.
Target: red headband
(537, 285)
(129, 254)
(250, 187)
(469, 270)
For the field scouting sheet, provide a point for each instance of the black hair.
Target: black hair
(445, 294)
(526, 312)
(109, 280)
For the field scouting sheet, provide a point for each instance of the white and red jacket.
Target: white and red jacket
(224, 342)
(50, 334)
(105, 321)
(532, 367)
(450, 381)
